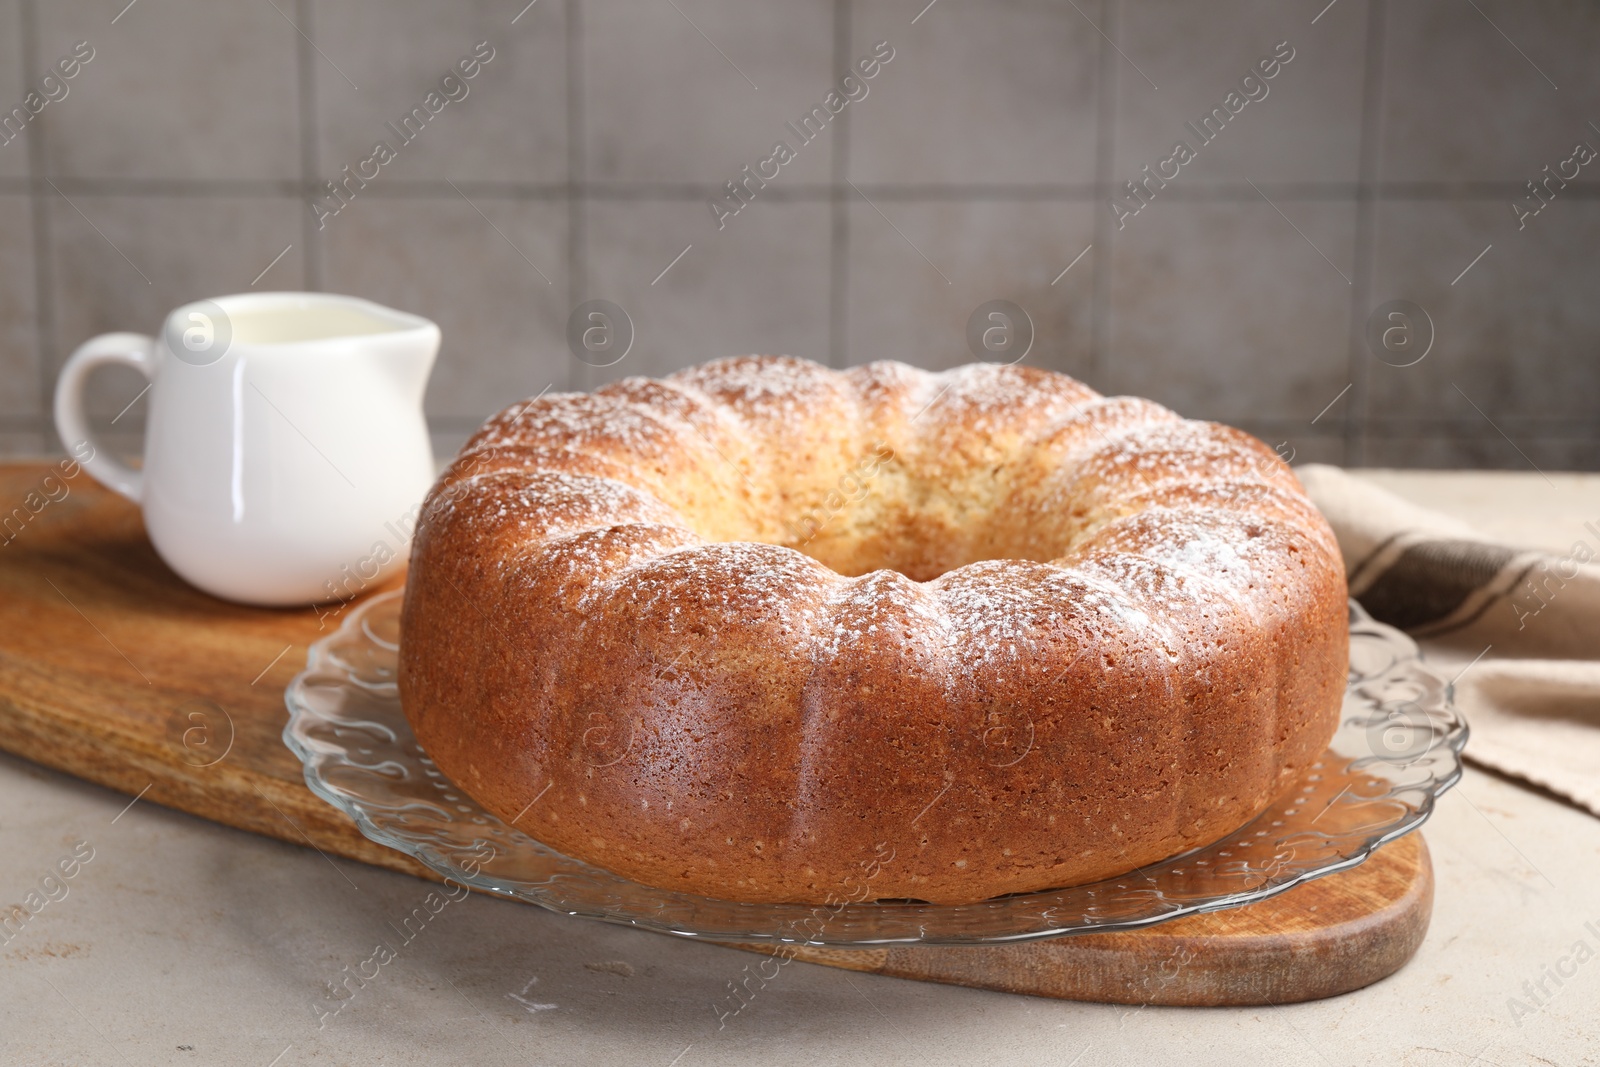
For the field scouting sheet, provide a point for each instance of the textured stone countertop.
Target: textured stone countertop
(182, 942)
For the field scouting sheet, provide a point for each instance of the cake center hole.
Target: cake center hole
(877, 515)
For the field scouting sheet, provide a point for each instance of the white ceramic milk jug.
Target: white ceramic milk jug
(285, 453)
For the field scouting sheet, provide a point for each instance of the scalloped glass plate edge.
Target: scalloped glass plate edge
(1397, 750)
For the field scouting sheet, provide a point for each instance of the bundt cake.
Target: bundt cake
(767, 631)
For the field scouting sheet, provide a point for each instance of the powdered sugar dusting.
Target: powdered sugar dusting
(999, 609)
(577, 420)
(744, 582)
(884, 601)
(589, 565)
(531, 507)
(985, 388)
(768, 392)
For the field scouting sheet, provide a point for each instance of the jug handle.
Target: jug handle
(128, 349)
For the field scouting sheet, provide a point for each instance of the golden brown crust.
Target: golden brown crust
(744, 631)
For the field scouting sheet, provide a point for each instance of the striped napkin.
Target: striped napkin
(1519, 630)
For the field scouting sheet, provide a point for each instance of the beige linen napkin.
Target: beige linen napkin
(1518, 629)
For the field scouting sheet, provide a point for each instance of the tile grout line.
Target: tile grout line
(578, 376)
(306, 86)
(1364, 248)
(812, 192)
(1100, 356)
(46, 354)
(838, 205)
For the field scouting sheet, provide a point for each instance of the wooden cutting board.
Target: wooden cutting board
(107, 660)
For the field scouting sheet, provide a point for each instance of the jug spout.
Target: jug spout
(409, 359)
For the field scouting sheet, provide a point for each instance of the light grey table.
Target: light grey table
(181, 942)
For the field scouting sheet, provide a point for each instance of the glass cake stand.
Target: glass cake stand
(1397, 750)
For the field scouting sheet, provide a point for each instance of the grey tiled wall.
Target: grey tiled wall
(983, 161)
